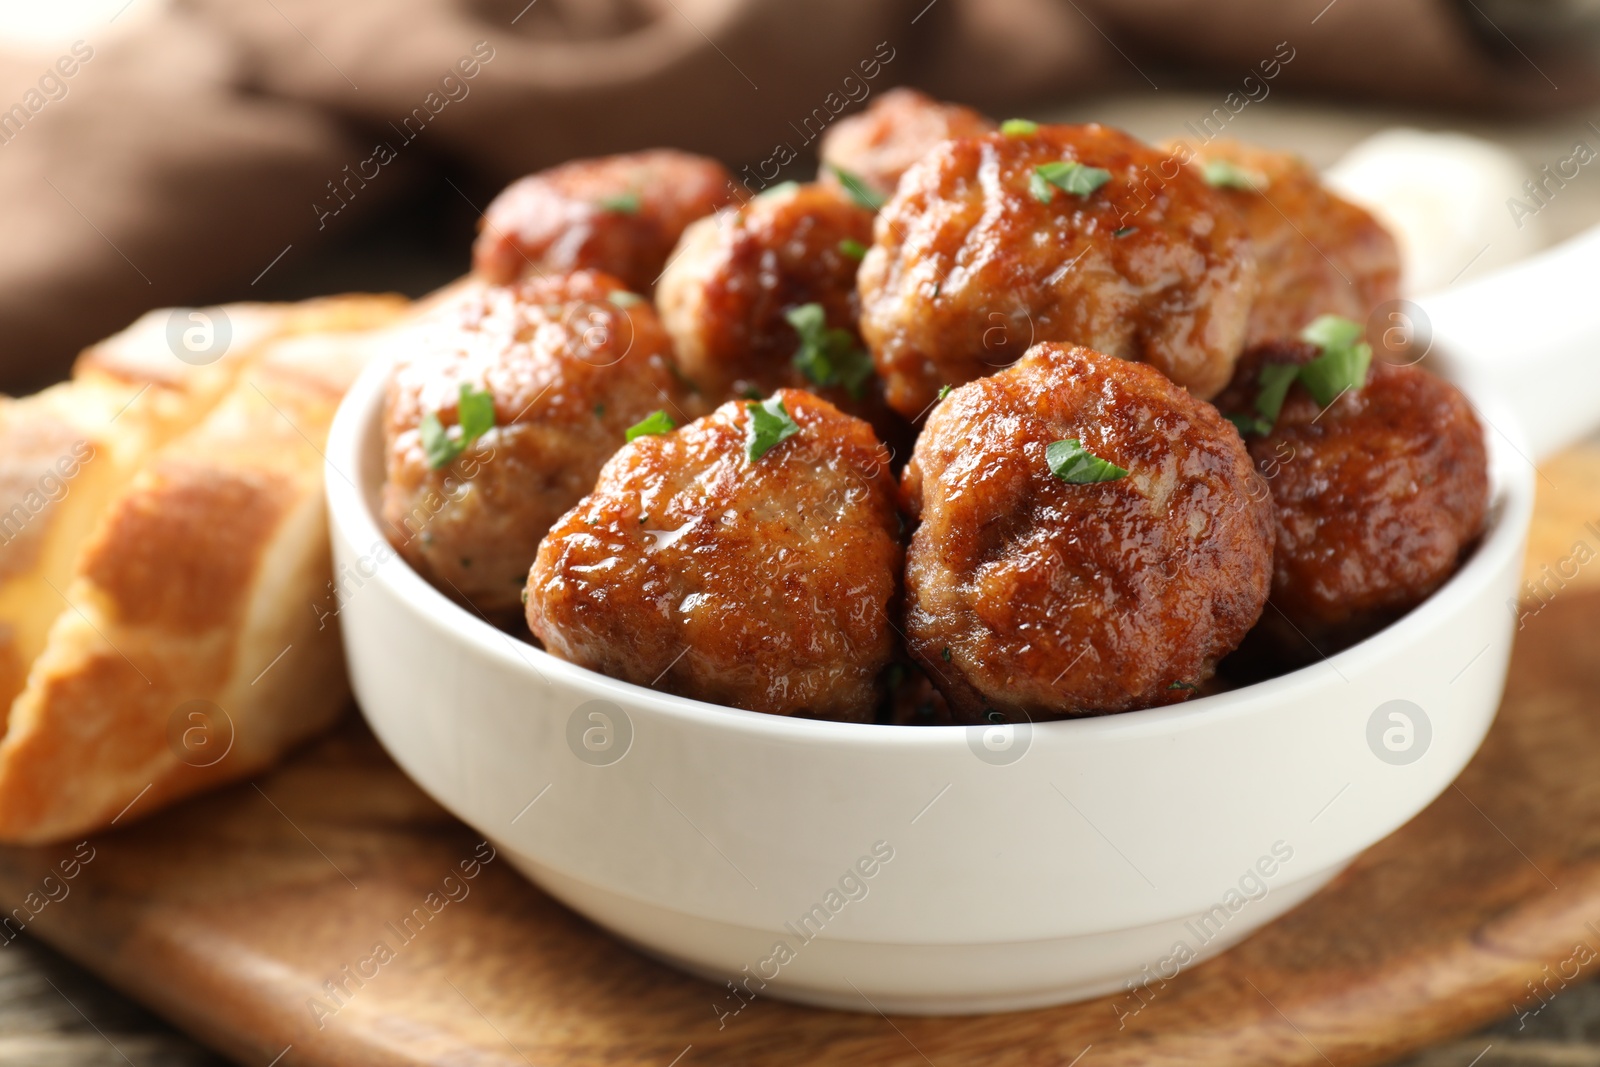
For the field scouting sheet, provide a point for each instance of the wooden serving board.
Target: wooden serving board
(230, 913)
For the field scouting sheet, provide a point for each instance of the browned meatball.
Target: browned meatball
(738, 274)
(570, 362)
(742, 278)
(979, 255)
(879, 144)
(619, 214)
(1377, 497)
(1032, 594)
(760, 583)
(1316, 254)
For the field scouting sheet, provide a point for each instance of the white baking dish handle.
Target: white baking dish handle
(1529, 335)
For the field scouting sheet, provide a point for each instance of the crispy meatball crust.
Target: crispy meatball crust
(619, 214)
(1316, 254)
(765, 585)
(969, 268)
(1030, 596)
(571, 362)
(1377, 498)
(737, 273)
(898, 128)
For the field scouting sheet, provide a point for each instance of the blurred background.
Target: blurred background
(188, 152)
(191, 152)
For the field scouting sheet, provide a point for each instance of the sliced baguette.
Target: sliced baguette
(66, 452)
(181, 575)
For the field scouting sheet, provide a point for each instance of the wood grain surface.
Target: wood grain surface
(237, 915)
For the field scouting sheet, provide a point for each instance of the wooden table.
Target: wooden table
(55, 1014)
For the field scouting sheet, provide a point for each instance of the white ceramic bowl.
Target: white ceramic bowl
(925, 869)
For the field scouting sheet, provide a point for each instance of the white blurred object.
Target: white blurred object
(41, 28)
(1443, 196)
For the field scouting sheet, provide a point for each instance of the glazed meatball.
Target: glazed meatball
(1377, 498)
(1035, 590)
(743, 279)
(1076, 234)
(1316, 254)
(759, 583)
(727, 296)
(618, 214)
(569, 363)
(879, 144)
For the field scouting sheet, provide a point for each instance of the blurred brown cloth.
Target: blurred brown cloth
(196, 140)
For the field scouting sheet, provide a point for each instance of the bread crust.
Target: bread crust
(195, 591)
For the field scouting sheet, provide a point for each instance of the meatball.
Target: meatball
(569, 363)
(618, 214)
(1377, 498)
(1316, 254)
(1076, 234)
(760, 583)
(737, 276)
(1033, 588)
(879, 144)
(764, 297)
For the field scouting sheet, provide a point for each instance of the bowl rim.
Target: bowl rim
(1512, 478)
